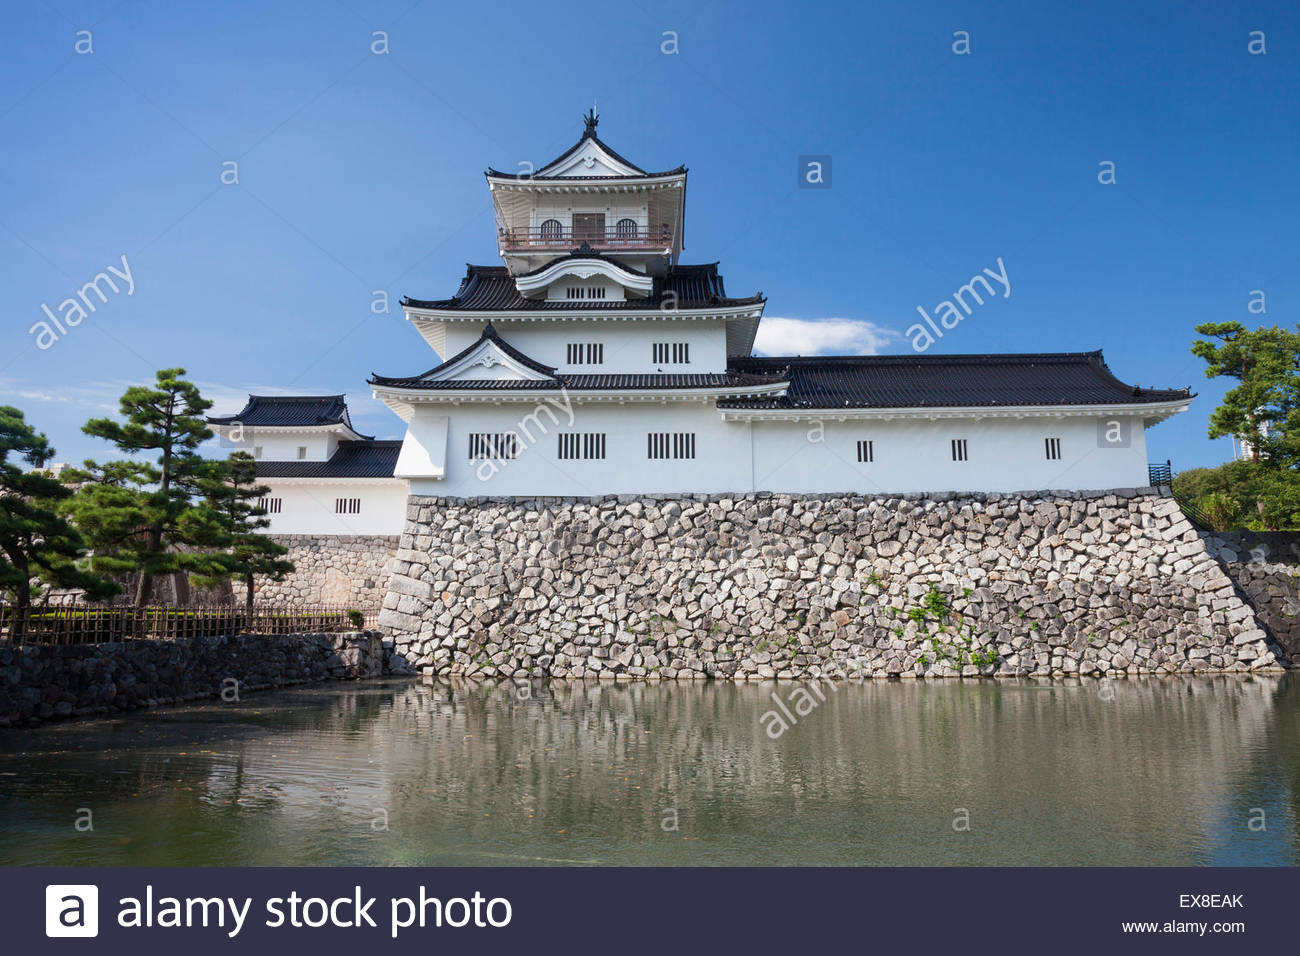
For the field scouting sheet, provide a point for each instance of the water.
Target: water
(1148, 772)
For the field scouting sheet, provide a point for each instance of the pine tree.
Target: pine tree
(141, 516)
(35, 540)
(1263, 410)
(233, 494)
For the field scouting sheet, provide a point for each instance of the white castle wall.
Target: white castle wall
(308, 507)
(910, 456)
(627, 343)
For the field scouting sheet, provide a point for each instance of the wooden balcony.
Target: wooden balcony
(543, 239)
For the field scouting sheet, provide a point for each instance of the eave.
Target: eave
(596, 184)
(292, 429)
(746, 311)
(1149, 412)
(340, 480)
(401, 401)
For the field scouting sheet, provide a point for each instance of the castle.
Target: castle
(594, 362)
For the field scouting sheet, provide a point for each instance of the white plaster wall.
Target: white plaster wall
(722, 450)
(308, 507)
(1004, 455)
(627, 342)
(280, 446)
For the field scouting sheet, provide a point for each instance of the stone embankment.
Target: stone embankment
(1265, 566)
(769, 585)
(340, 569)
(41, 682)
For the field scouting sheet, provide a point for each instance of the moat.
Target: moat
(1172, 771)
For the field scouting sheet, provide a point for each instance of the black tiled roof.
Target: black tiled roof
(588, 134)
(289, 410)
(591, 382)
(352, 459)
(492, 289)
(937, 381)
(490, 334)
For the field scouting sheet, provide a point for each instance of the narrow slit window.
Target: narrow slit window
(672, 353)
(347, 506)
(585, 353)
(670, 445)
(959, 450)
(1053, 448)
(589, 445)
(866, 451)
(272, 506)
(493, 446)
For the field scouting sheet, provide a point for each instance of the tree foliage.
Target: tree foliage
(1262, 411)
(149, 516)
(36, 542)
(233, 494)
(1243, 494)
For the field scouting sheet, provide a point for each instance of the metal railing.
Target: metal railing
(102, 623)
(552, 239)
(1160, 474)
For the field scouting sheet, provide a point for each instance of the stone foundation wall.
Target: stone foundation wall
(1265, 566)
(40, 682)
(757, 586)
(349, 569)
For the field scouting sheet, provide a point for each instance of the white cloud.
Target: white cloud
(782, 336)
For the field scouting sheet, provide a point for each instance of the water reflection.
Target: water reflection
(1159, 771)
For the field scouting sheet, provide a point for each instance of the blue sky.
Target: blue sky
(360, 172)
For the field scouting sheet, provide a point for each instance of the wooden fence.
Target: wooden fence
(100, 623)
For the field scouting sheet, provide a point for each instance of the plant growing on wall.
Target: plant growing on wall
(36, 542)
(950, 644)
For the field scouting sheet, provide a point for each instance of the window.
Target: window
(625, 229)
(670, 445)
(866, 453)
(672, 353)
(272, 506)
(302, 452)
(588, 225)
(551, 229)
(959, 449)
(347, 506)
(583, 445)
(585, 353)
(257, 451)
(1053, 448)
(485, 446)
(584, 292)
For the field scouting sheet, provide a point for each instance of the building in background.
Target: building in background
(324, 476)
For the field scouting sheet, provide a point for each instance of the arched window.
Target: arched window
(625, 229)
(551, 229)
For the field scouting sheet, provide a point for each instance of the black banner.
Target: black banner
(649, 910)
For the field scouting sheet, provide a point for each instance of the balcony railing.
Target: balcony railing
(551, 239)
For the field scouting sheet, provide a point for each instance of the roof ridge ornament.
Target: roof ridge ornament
(591, 119)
